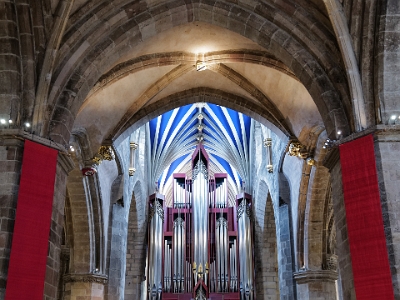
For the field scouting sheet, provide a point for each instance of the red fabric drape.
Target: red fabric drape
(27, 266)
(371, 271)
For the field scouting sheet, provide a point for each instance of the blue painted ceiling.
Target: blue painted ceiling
(224, 133)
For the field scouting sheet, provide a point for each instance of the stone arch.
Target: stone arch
(88, 56)
(201, 94)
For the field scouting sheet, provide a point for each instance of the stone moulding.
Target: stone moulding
(317, 275)
(91, 278)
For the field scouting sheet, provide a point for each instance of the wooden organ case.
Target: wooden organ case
(200, 247)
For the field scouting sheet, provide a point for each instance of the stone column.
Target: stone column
(11, 153)
(316, 285)
(332, 162)
(10, 167)
(286, 266)
(387, 154)
(53, 268)
(84, 286)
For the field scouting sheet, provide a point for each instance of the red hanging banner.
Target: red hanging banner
(369, 256)
(27, 266)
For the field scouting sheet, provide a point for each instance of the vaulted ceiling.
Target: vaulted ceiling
(163, 68)
(224, 133)
(123, 63)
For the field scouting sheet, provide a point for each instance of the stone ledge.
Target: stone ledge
(89, 277)
(307, 276)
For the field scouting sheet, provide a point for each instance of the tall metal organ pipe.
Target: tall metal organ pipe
(200, 214)
(245, 251)
(155, 253)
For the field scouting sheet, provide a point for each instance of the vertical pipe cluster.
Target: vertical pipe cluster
(179, 255)
(188, 277)
(221, 240)
(155, 252)
(167, 267)
(220, 271)
(245, 251)
(220, 199)
(233, 267)
(179, 195)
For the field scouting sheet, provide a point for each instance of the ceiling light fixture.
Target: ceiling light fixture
(201, 66)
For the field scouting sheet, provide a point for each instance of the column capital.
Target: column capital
(331, 159)
(88, 277)
(315, 275)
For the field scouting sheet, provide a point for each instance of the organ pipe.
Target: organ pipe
(245, 250)
(156, 219)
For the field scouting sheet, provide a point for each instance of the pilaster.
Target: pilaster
(11, 154)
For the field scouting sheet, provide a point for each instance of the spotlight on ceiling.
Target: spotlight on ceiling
(2, 121)
(201, 66)
(27, 124)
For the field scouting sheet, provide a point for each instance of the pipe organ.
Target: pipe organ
(200, 247)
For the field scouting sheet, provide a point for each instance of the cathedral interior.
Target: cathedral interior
(199, 149)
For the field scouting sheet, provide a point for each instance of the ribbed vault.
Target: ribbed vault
(103, 37)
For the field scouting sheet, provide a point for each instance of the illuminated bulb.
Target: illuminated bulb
(27, 124)
(393, 117)
(339, 132)
(10, 121)
(72, 148)
(2, 121)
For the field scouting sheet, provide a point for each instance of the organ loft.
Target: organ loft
(200, 247)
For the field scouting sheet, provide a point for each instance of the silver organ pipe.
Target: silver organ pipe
(200, 215)
(245, 250)
(155, 252)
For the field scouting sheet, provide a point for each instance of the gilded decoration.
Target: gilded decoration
(104, 153)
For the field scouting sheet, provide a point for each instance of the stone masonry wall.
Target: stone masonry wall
(342, 242)
(10, 168)
(387, 149)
